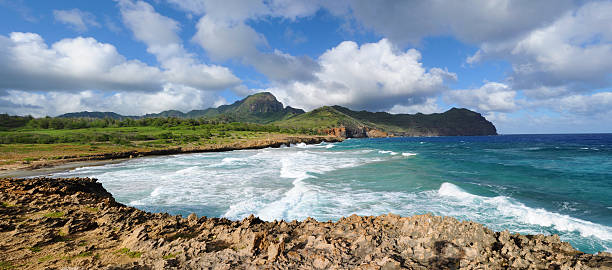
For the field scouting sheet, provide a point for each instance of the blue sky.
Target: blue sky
(528, 66)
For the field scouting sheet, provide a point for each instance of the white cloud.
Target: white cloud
(224, 40)
(27, 63)
(77, 19)
(84, 74)
(573, 54)
(491, 97)
(373, 76)
(176, 97)
(586, 105)
(152, 28)
(159, 34)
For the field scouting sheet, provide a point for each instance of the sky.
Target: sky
(528, 66)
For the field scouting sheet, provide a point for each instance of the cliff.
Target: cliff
(361, 124)
(57, 223)
(265, 108)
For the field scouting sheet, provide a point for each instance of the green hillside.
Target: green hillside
(264, 108)
(454, 122)
(259, 108)
(322, 118)
(85, 114)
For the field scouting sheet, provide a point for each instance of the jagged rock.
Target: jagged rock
(89, 230)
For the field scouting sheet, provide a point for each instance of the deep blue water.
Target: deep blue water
(552, 184)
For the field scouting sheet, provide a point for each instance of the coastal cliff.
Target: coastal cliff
(265, 108)
(346, 123)
(55, 223)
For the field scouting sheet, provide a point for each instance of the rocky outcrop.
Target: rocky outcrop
(336, 132)
(358, 132)
(56, 223)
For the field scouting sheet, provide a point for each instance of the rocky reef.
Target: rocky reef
(55, 223)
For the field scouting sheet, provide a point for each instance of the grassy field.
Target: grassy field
(21, 147)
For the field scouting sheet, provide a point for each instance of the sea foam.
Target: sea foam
(503, 206)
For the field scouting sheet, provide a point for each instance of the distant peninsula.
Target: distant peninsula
(264, 108)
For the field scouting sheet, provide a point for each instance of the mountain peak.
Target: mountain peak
(263, 102)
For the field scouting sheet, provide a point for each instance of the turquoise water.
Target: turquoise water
(551, 184)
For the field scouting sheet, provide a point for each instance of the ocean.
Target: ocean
(550, 184)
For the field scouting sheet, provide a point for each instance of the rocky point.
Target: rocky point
(57, 223)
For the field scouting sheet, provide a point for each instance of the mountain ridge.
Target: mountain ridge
(264, 108)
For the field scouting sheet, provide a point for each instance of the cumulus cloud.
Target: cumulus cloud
(573, 54)
(491, 97)
(225, 39)
(159, 33)
(77, 19)
(84, 74)
(374, 76)
(28, 63)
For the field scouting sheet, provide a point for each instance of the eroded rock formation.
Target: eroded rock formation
(55, 223)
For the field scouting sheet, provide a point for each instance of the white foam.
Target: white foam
(387, 152)
(450, 190)
(509, 208)
(301, 145)
(230, 160)
(408, 154)
(289, 170)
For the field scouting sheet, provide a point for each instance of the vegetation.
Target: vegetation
(123, 132)
(7, 205)
(35, 249)
(55, 215)
(85, 254)
(169, 256)
(262, 108)
(8, 122)
(129, 253)
(453, 122)
(6, 265)
(31, 141)
(28, 141)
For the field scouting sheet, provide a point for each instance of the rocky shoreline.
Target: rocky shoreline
(46, 166)
(50, 223)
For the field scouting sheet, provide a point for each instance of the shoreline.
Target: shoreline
(61, 165)
(74, 222)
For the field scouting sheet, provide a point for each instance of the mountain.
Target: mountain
(260, 108)
(264, 108)
(85, 114)
(344, 122)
